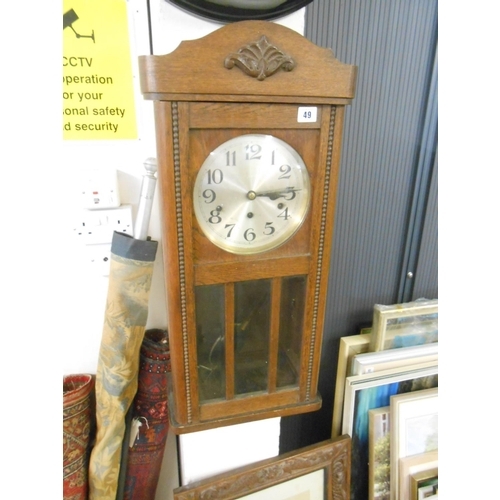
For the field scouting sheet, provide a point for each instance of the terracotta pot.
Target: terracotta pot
(78, 429)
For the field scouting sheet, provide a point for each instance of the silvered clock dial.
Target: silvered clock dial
(251, 194)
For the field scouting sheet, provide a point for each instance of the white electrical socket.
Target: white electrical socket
(97, 226)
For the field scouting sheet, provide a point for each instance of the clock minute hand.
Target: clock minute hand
(278, 193)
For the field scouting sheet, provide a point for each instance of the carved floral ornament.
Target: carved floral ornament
(260, 59)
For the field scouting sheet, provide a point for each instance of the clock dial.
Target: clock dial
(251, 194)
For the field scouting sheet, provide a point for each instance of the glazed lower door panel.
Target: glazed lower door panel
(249, 338)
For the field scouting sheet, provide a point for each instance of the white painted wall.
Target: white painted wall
(170, 25)
(208, 452)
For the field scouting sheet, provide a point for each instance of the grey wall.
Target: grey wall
(386, 216)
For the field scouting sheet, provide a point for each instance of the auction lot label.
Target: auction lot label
(98, 94)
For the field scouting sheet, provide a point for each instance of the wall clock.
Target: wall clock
(249, 127)
(239, 10)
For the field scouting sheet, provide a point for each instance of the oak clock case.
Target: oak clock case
(248, 163)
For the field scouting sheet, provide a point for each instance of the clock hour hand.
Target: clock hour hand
(274, 194)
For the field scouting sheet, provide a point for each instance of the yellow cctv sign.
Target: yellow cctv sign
(98, 94)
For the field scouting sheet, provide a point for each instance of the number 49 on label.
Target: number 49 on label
(307, 114)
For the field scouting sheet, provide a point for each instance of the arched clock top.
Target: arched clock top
(195, 70)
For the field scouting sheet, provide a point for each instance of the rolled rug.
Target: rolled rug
(78, 431)
(131, 270)
(149, 424)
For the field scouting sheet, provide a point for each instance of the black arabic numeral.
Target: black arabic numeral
(215, 217)
(252, 151)
(209, 195)
(215, 176)
(230, 158)
(284, 214)
(269, 226)
(249, 235)
(285, 172)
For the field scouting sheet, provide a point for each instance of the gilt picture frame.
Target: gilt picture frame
(321, 471)
(348, 348)
(412, 466)
(414, 431)
(424, 485)
(404, 325)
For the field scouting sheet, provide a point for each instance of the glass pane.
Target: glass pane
(252, 301)
(412, 330)
(291, 326)
(210, 341)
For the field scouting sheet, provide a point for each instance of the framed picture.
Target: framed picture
(379, 453)
(393, 358)
(413, 465)
(424, 485)
(414, 430)
(321, 471)
(407, 324)
(355, 359)
(374, 390)
(348, 348)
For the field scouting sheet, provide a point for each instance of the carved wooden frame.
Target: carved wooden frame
(332, 456)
